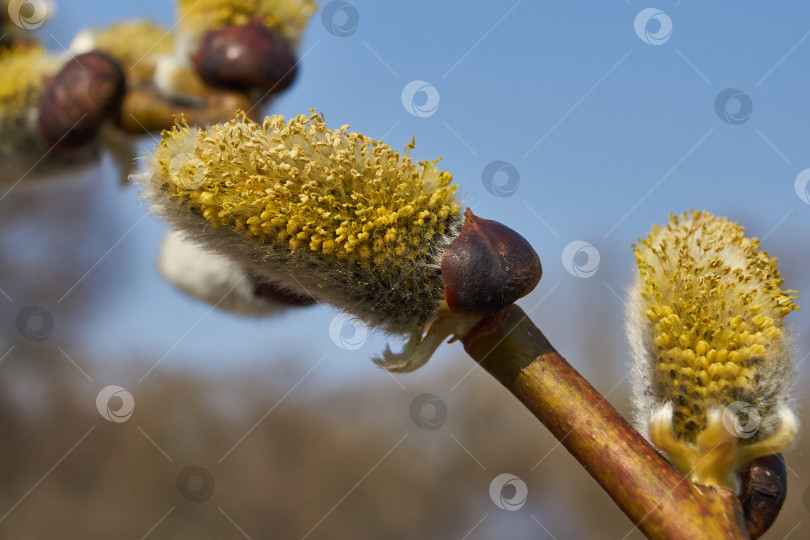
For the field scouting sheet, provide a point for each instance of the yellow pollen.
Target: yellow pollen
(302, 186)
(715, 294)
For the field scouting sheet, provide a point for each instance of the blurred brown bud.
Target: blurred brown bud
(273, 292)
(487, 268)
(86, 91)
(764, 490)
(245, 57)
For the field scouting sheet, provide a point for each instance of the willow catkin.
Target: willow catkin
(713, 359)
(327, 211)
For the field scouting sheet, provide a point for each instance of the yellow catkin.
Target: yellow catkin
(345, 217)
(710, 335)
(303, 186)
(135, 44)
(287, 17)
(22, 71)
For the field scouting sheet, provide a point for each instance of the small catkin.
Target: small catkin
(713, 359)
(23, 69)
(136, 45)
(212, 278)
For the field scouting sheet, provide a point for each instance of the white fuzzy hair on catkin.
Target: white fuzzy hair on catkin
(212, 278)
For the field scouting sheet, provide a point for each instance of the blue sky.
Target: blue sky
(607, 130)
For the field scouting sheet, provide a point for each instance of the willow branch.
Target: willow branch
(147, 110)
(656, 497)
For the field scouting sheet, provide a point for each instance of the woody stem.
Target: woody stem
(658, 499)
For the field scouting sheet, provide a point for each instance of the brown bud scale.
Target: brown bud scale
(487, 267)
(764, 490)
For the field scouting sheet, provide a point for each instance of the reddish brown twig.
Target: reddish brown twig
(656, 497)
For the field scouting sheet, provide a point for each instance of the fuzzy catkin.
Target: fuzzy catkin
(327, 211)
(136, 45)
(212, 278)
(23, 68)
(705, 324)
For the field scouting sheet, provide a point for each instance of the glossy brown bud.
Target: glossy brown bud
(487, 268)
(245, 57)
(764, 490)
(86, 91)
